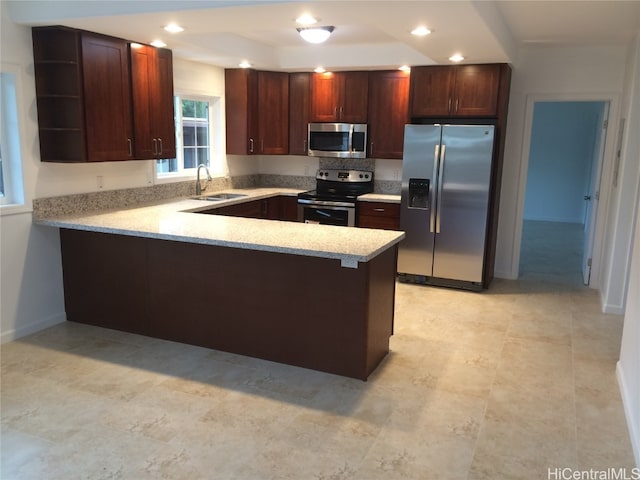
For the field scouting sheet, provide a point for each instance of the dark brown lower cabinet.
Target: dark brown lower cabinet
(282, 207)
(255, 303)
(385, 216)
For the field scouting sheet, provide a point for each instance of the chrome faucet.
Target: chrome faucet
(199, 188)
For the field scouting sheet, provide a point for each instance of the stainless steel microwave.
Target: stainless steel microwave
(337, 140)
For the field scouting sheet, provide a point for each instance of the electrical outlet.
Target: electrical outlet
(100, 181)
(396, 174)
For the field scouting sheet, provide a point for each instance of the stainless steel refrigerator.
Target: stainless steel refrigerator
(446, 176)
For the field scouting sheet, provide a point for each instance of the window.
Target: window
(10, 158)
(193, 138)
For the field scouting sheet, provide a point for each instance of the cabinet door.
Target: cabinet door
(353, 95)
(142, 77)
(476, 92)
(432, 91)
(273, 113)
(298, 112)
(388, 113)
(164, 116)
(288, 208)
(251, 209)
(325, 97)
(107, 98)
(241, 104)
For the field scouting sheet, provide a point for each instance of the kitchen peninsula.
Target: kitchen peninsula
(315, 296)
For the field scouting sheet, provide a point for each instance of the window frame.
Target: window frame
(12, 199)
(214, 164)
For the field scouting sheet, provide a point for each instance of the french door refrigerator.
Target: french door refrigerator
(446, 176)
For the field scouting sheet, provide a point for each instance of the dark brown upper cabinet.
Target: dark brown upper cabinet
(298, 112)
(256, 112)
(152, 94)
(339, 97)
(455, 91)
(83, 95)
(388, 113)
(87, 98)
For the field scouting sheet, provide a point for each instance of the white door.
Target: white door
(592, 194)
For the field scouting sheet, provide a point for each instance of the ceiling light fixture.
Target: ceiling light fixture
(135, 45)
(306, 19)
(456, 57)
(405, 68)
(420, 31)
(173, 28)
(158, 43)
(319, 70)
(315, 34)
(244, 64)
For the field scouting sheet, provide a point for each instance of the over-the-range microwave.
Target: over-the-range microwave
(337, 140)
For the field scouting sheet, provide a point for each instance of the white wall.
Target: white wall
(563, 138)
(572, 73)
(629, 364)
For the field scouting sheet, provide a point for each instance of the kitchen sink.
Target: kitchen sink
(216, 197)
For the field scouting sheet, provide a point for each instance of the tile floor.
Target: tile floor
(507, 383)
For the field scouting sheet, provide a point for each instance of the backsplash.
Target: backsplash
(129, 197)
(118, 199)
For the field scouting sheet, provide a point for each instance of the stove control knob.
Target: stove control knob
(360, 175)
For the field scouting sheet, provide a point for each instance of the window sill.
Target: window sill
(14, 209)
(184, 178)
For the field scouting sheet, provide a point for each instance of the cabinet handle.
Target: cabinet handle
(161, 147)
(341, 112)
(449, 107)
(378, 209)
(130, 145)
(304, 146)
(155, 147)
(457, 104)
(251, 145)
(262, 146)
(335, 113)
(371, 149)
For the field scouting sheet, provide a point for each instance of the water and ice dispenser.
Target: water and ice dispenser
(419, 193)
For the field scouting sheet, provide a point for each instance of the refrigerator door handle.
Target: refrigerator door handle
(432, 206)
(440, 185)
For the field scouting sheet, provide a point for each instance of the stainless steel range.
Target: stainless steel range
(335, 199)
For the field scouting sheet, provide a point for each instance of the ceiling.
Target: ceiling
(369, 34)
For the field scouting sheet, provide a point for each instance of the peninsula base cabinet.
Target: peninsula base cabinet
(248, 302)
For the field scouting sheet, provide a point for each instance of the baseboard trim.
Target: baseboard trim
(633, 423)
(34, 327)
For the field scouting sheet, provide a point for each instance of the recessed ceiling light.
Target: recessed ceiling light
(244, 64)
(405, 68)
(420, 31)
(315, 34)
(158, 43)
(456, 57)
(135, 45)
(319, 70)
(306, 19)
(173, 28)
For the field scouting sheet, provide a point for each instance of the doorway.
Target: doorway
(566, 154)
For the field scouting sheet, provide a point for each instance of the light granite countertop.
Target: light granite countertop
(178, 220)
(379, 197)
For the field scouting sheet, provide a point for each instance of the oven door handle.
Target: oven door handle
(325, 203)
